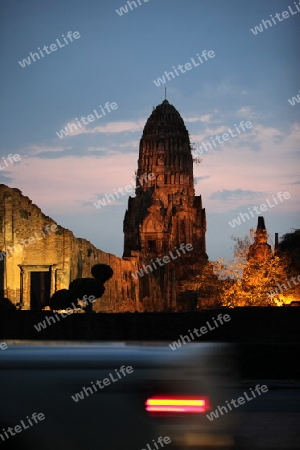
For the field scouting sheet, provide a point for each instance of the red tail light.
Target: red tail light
(195, 405)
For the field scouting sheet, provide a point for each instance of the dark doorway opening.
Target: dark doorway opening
(39, 290)
(151, 246)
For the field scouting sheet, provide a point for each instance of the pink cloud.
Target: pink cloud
(64, 184)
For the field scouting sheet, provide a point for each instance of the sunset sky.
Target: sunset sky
(116, 59)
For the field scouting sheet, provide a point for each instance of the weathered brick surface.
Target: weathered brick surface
(165, 212)
(57, 250)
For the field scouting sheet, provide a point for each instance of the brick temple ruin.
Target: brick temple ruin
(164, 216)
(39, 257)
(165, 213)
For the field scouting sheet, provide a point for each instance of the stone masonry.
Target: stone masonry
(38, 257)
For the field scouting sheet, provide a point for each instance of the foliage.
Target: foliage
(202, 280)
(61, 299)
(6, 305)
(290, 247)
(240, 281)
(81, 287)
(102, 272)
(252, 280)
(256, 283)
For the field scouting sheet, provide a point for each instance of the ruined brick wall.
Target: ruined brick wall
(33, 241)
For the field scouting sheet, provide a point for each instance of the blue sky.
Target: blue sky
(116, 60)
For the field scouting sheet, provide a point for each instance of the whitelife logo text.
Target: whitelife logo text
(260, 209)
(236, 403)
(161, 441)
(124, 9)
(163, 260)
(110, 198)
(199, 332)
(106, 382)
(53, 48)
(36, 417)
(51, 319)
(187, 66)
(86, 120)
(286, 286)
(10, 250)
(198, 150)
(267, 23)
(10, 159)
(292, 101)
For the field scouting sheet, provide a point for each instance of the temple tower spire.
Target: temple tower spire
(165, 212)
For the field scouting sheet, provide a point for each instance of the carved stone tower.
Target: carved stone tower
(165, 212)
(260, 250)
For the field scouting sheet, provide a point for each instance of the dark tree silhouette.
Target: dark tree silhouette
(83, 289)
(62, 299)
(6, 305)
(290, 246)
(102, 272)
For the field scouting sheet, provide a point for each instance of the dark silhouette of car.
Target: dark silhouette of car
(97, 396)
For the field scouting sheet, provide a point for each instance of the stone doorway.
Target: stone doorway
(37, 285)
(39, 289)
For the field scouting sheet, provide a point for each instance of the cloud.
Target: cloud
(98, 149)
(205, 118)
(106, 201)
(114, 147)
(224, 88)
(197, 179)
(5, 177)
(247, 112)
(72, 183)
(236, 194)
(256, 138)
(295, 182)
(57, 185)
(266, 170)
(211, 134)
(132, 144)
(108, 128)
(34, 150)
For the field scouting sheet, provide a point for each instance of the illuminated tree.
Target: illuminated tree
(249, 281)
(204, 283)
(243, 280)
